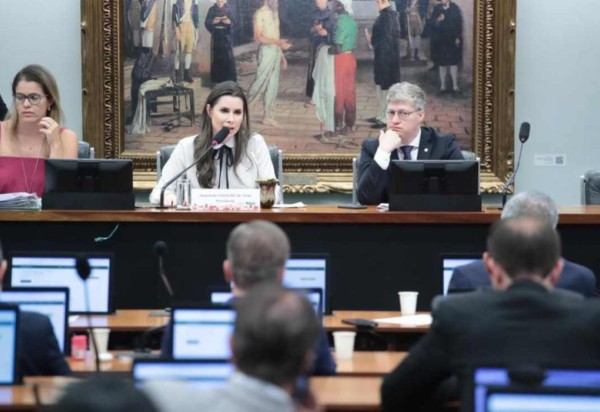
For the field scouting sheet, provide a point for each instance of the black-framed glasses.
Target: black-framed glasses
(400, 113)
(34, 98)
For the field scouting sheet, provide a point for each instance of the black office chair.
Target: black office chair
(85, 151)
(590, 188)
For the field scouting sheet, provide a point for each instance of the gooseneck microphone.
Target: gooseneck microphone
(84, 270)
(160, 250)
(523, 136)
(219, 137)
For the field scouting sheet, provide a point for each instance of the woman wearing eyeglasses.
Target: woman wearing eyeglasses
(32, 132)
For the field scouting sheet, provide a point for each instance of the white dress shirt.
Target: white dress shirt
(383, 159)
(255, 165)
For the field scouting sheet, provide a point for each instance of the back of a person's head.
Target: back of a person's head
(524, 246)
(257, 252)
(275, 330)
(103, 394)
(533, 204)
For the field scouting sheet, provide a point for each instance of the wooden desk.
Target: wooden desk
(342, 393)
(127, 320)
(22, 398)
(334, 322)
(364, 247)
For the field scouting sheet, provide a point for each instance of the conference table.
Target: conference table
(372, 253)
(332, 393)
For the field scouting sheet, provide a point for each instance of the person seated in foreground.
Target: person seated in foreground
(522, 320)
(237, 163)
(274, 336)
(32, 132)
(404, 139)
(574, 277)
(256, 254)
(103, 394)
(38, 350)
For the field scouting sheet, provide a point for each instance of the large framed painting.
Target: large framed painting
(148, 66)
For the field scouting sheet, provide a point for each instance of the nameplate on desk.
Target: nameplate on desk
(225, 199)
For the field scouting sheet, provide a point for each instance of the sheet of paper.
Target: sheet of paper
(383, 206)
(412, 320)
(290, 205)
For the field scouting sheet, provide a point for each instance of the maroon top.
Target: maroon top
(14, 169)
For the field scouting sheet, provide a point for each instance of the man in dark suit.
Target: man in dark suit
(522, 321)
(38, 349)
(256, 255)
(403, 139)
(574, 277)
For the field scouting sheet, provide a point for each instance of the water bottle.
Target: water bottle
(184, 192)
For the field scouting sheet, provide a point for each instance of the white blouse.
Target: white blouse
(256, 164)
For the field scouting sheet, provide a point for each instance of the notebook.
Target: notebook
(202, 332)
(52, 302)
(42, 270)
(9, 325)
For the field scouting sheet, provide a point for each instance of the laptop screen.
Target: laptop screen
(537, 399)
(486, 378)
(46, 270)
(206, 373)
(315, 297)
(449, 263)
(9, 317)
(202, 333)
(308, 272)
(50, 302)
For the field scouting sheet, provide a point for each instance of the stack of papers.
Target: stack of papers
(411, 320)
(20, 201)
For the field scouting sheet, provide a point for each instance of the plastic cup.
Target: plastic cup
(408, 302)
(344, 344)
(101, 335)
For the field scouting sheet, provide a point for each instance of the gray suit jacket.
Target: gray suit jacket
(241, 393)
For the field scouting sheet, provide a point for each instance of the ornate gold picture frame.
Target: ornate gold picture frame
(492, 105)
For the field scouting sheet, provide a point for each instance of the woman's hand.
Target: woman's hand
(51, 130)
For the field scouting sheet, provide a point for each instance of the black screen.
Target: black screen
(89, 175)
(435, 177)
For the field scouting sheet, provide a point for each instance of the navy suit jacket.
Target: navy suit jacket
(39, 353)
(524, 325)
(574, 277)
(374, 182)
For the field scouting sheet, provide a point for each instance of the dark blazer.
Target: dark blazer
(574, 277)
(39, 353)
(374, 182)
(527, 324)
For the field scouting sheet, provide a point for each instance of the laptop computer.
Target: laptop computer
(541, 398)
(52, 302)
(199, 373)
(309, 271)
(9, 325)
(201, 332)
(448, 262)
(224, 296)
(42, 270)
(486, 379)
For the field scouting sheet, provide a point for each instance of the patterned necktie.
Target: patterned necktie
(406, 152)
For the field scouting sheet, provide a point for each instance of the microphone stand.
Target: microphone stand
(511, 178)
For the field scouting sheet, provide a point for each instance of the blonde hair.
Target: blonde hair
(40, 75)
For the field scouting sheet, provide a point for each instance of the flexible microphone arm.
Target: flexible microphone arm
(523, 136)
(160, 249)
(82, 265)
(219, 137)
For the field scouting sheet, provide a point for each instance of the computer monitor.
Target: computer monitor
(48, 270)
(9, 324)
(435, 185)
(309, 271)
(96, 184)
(449, 262)
(202, 332)
(486, 378)
(536, 399)
(199, 373)
(51, 302)
(220, 296)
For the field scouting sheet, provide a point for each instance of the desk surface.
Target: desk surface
(333, 393)
(138, 320)
(362, 363)
(310, 214)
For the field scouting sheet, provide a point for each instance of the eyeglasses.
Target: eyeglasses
(34, 98)
(400, 113)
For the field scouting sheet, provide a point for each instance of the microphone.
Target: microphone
(160, 250)
(523, 137)
(82, 265)
(218, 139)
